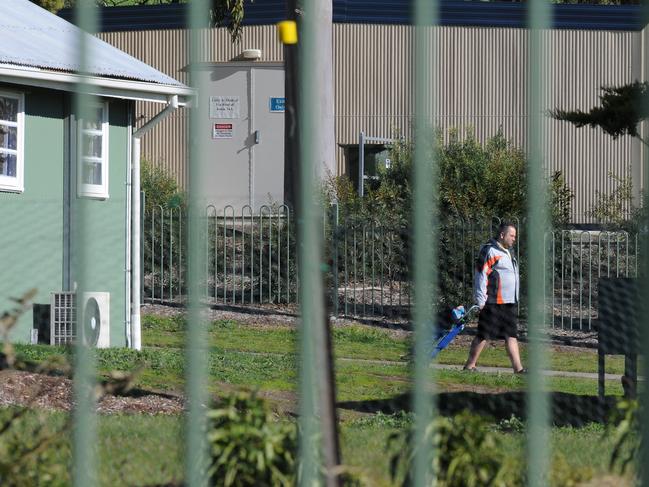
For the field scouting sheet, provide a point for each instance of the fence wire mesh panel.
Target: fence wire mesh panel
(427, 316)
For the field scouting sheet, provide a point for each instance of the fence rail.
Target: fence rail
(251, 259)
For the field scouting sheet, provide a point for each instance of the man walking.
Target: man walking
(495, 291)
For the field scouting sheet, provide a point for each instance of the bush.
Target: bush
(34, 449)
(247, 447)
(160, 188)
(618, 210)
(476, 182)
(165, 205)
(478, 185)
(626, 430)
(469, 454)
(561, 197)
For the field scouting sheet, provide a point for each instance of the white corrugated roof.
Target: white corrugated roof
(33, 37)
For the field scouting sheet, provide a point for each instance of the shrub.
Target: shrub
(247, 447)
(478, 183)
(165, 205)
(562, 474)
(469, 454)
(618, 210)
(159, 188)
(34, 449)
(626, 430)
(561, 197)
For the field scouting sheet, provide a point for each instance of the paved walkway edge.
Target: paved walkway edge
(548, 373)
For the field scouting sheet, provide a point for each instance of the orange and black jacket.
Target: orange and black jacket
(496, 276)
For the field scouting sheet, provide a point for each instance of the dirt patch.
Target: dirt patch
(55, 393)
(249, 315)
(41, 391)
(283, 403)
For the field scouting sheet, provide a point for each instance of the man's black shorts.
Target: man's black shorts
(498, 321)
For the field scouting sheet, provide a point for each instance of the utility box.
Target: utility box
(618, 328)
(242, 116)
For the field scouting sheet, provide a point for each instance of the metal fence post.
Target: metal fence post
(537, 402)
(334, 257)
(84, 434)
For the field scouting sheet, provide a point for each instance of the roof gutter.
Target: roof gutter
(136, 237)
(95, 85)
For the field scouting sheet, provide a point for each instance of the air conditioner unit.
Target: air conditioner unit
(95, 319)
(94, 326)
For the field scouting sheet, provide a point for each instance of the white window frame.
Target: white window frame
(99, 191)
(15, 184)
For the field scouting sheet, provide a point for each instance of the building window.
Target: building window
(92, 174)
(12, 120)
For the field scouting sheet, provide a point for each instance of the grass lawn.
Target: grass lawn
(148, 450)
(354, 342)
(158, 456)
(371, 376)
(364, 444)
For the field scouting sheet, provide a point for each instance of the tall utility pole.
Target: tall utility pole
(324, 142)
(323, 105)
(324, 102)
(291, 126)
(323, 151)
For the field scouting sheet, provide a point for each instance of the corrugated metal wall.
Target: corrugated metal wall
(482, 85)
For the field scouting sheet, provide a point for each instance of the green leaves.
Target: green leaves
(477, 180)
(230, 13)
(469, 453)
(160, 188)
(51, 5)
(627, 436)
(247, 446)
(34, 449)
(617, 209)
(622, 109)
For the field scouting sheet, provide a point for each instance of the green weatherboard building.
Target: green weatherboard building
(69, 184)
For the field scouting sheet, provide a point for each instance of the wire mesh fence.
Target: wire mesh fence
(382, 397)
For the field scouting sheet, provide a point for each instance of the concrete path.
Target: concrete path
(548, 373)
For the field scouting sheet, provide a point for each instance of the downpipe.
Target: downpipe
(136, 241)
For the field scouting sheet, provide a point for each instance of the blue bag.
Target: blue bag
(445, 337)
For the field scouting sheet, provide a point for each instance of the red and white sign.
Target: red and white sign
(222, 130)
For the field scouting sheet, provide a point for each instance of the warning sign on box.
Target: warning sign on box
(222, 131)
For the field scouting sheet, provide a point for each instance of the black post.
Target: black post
(291, 126)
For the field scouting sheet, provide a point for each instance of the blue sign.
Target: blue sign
(277, 104)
